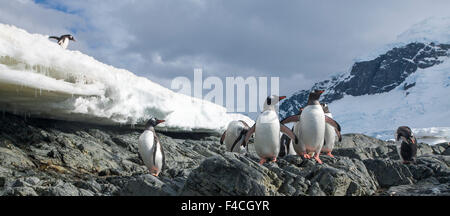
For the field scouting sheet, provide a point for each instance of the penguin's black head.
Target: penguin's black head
(274, 99)
(153, 122)
(314, 95)
(405, 133)
(71, 38)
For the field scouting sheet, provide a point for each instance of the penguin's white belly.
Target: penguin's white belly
(234, 130)
(398, 145)
(64, 43)
(312, 128)
(291, 144)
(330, 138)
(145, 148)
(267, 135)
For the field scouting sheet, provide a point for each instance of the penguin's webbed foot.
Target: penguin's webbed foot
(316, 157)
(306, 156)
(274, 159)
(262, 161)
(154, 172)
(329, 154)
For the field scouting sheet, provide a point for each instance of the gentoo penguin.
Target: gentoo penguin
(63, 41)
(406, 144)
(331, 132)
(234, 135)
(332, 129)
(311, 127)
(267, 131)
(286, 144)
(150, 148)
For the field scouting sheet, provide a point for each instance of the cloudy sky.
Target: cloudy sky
(300, 41)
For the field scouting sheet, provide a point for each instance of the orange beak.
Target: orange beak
(281, 98)
(160, 121)
(321, 91)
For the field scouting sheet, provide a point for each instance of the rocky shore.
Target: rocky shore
(60, 158)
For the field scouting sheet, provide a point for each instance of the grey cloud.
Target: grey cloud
(300, 41)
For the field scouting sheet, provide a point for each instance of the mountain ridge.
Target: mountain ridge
(378, 75)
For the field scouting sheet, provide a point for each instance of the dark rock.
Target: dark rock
(75, 159)
(90, 185)
(426, 187)
(145, 185)
(62, 188)
(108, 172)
(232, 175)
(315, 190)
(20, 191)
(359, 140)
(389, 173)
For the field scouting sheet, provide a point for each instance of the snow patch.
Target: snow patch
(38, 77)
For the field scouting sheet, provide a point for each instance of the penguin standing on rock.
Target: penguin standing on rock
(332, 131)
(63, 41)
(150, 148)
(286, 144)
(267, 131)
(406, 144)
(234, 136)
(311, 124)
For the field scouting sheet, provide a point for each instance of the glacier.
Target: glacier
(39, 78)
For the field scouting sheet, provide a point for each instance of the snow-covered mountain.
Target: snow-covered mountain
(407, 85)
(39, 78)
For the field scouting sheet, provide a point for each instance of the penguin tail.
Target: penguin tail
(54, 37)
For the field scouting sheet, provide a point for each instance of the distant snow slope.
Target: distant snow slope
(433, 135)
(427, 104)
(38, 77)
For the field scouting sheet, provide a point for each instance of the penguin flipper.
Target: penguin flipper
(333, 123)
(294, 118)
(289, 133)
(243, 133)
(223, 137)
(249, 134)
(245, 123)
(163, 157)
(338, 133)
(155, 148)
